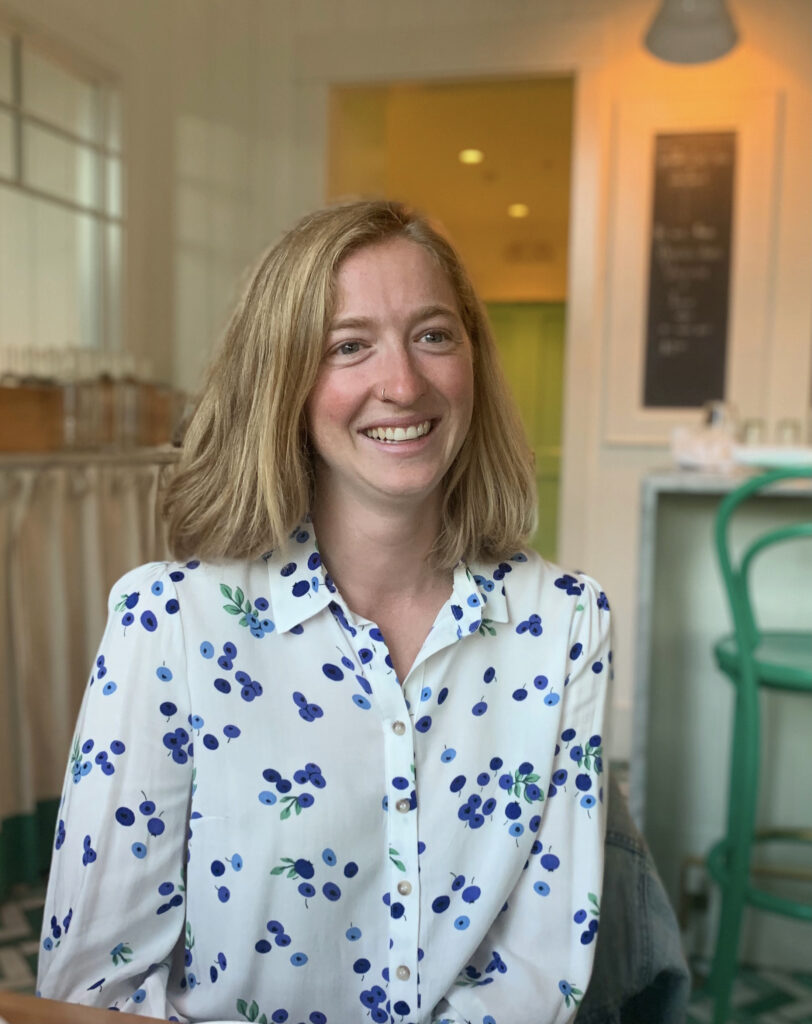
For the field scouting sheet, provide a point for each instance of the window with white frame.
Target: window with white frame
(61, 201)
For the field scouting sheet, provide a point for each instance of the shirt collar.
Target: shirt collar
(298, 583)
(478, 597)
(300, 587)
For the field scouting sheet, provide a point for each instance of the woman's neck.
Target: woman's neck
(378, 555)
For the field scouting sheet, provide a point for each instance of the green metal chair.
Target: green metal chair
(755, 659)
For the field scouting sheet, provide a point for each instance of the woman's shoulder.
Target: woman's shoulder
(171, 579)
(528, 574)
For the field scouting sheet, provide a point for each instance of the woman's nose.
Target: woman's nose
(401, 379)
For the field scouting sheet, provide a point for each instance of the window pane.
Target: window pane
(61, 168)
(17, 305)
(115, 277)
(89, 277)
(113, 112)
(114, 187)
(58, 96)
(6, 145)
(5, 67)
(39, 274)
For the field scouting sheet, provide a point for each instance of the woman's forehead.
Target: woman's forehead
(394, 273)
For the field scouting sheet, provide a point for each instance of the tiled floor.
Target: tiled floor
(20, 920)
(760, 997)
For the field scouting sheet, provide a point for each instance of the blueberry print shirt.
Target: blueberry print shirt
(260, 823)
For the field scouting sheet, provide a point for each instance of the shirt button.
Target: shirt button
(404, 888)
(398, 728)
(403, 806)
(403, 972)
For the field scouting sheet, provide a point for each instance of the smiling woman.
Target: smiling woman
(352, 610)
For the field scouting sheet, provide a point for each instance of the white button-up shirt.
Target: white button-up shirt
(260, 822)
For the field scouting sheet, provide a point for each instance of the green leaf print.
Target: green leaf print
(242, 1006)
(238, 597)
(121, 953)
(253, 1010)
(232, 609)
(393, 854)
(226, 591)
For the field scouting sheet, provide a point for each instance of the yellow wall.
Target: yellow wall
(402, 140)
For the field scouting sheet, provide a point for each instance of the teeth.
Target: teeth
(396, 434)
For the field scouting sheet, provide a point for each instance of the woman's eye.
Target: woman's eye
(347, 348)
(435, 336)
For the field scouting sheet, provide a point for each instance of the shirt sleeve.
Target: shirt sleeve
(114, 910)
(536, 959)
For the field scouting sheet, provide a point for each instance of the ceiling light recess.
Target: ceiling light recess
(470, 156)
(518, 210)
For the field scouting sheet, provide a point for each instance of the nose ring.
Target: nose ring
(383, 394)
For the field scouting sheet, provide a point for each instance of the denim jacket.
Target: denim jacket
(640, 975)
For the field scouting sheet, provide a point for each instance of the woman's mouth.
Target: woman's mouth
(395, 434)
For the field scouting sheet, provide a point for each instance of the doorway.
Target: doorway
(490, 161)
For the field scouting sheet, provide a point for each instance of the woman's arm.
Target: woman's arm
(115, 905)
(535, 962)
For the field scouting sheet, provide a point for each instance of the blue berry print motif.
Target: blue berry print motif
(81, 765)
(121, 953)
(249, 688)
(167, 889)
(50, 942)
(302, 868)
(179, 744)
(467, 894)
(88, 854)
(155, 824)
(220, 964)
(280, 937)
(189, 978)
(591, 918)
(249, 616)
(569, 992)
(570, 585)
(531, 625)
(541, 682)
(307, 710)
(309, 775)
(589, 759)
(125, 605)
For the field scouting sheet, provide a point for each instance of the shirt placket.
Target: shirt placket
(401, 830)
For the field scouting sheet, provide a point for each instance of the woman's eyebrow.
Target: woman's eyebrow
(427, 312)
(424, 313)
(353, 322)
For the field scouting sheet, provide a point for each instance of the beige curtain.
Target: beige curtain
(68, 529)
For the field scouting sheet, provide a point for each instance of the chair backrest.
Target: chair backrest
(736, 569)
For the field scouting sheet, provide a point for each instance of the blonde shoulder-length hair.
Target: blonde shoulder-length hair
(245, 475)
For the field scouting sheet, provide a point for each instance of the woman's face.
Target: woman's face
(393, 399)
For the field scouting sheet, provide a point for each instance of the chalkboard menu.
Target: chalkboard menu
(689, 272)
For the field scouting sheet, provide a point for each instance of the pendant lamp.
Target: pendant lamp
(691, 31)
